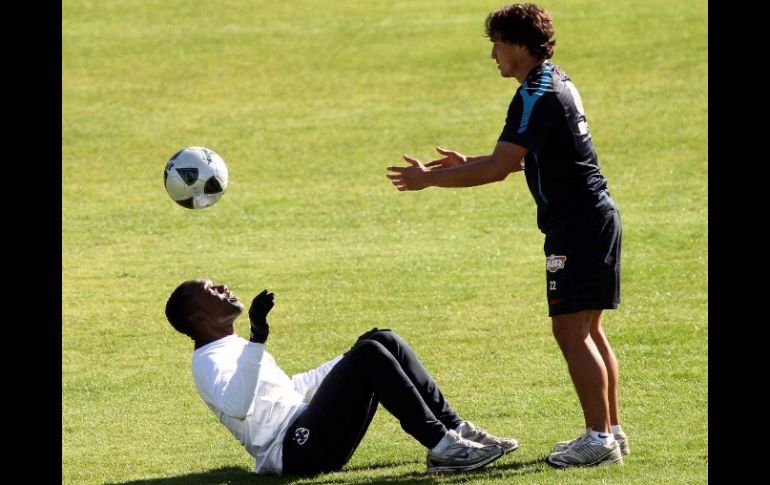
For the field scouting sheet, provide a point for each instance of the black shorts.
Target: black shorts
(582, 268)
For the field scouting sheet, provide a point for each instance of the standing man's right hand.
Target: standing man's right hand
(451, 159)
(260, 307)
(413, 177)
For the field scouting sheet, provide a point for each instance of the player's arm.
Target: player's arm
(505, 159)
(234, 389)
(229, 383)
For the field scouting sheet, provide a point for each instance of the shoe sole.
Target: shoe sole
(463, 468)
(602, 461)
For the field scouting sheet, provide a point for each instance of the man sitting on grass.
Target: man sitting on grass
(313, 421)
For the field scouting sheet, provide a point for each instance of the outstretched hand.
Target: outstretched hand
(412, 177)
(451, 159)
(260, 307)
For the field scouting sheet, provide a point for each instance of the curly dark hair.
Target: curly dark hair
(523, 23)
(178, 309)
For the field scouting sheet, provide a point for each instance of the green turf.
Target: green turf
(308, 102)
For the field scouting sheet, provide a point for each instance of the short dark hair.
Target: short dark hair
(523, 23)
(178, 309)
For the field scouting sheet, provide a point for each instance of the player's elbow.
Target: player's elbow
(500, 175)
(236, 412)
(236, 415)
(500, 169)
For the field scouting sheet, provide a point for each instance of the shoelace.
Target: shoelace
(482, 434)
(470, 443)
(477, 432)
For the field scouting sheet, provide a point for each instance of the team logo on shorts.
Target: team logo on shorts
(301, 435)
(554, 263)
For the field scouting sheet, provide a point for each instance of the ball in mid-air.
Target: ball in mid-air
(195, 177)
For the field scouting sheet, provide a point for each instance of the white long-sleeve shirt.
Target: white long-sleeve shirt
(244, 387)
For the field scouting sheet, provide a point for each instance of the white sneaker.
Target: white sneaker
(470, 431)
(565, 445)
(621, 438)
(462, 455)
(586, 451)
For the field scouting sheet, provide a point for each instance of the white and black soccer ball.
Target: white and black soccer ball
(195, 177)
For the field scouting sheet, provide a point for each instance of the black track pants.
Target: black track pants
(379, 368)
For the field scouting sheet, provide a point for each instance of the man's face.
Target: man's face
(508, 56)
(217, 302)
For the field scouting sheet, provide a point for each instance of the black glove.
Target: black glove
(260, 307)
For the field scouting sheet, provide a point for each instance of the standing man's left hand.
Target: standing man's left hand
(413, 177)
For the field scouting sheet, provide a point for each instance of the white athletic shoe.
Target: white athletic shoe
(621, 438)
(586, 451)
(462, 455)
(470, 431)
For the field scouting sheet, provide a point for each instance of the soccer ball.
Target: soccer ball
(195, 177)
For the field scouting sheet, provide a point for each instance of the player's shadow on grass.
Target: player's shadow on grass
(242, 476)
(496, 471)
(227, 475)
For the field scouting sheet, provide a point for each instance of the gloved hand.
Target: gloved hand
(260, 307)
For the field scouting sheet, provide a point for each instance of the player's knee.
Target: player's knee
(366, 349)
(392, 341)
(375, 356)
(386, 337)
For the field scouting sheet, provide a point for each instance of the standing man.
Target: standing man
(313, 422)
(546, 135)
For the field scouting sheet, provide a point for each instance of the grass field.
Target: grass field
(308, 102)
